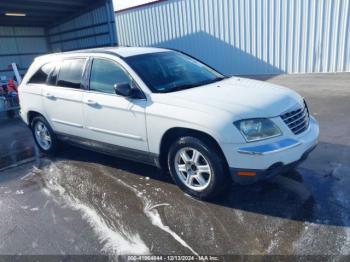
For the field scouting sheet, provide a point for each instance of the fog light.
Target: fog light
(246, 173)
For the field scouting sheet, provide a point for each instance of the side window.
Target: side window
(105, 74)
(71, 73)
(41, 75)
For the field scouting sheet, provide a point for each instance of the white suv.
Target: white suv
(165, 108)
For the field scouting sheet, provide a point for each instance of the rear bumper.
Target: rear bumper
(23, 117)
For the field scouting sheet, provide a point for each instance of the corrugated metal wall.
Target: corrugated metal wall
(94, 27)
(247, 36)
(20, 45)
(91, 29)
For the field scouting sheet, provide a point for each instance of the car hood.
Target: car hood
(243, 98)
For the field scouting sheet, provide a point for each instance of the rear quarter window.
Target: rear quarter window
(41, 75)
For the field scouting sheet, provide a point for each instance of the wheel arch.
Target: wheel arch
(174, 133)
(31, 114)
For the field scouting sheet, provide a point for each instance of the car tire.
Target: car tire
(44, 136)
(198, 168)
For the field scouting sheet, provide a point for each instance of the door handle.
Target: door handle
(49, 96)
(91, 102)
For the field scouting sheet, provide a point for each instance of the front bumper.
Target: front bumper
(259, 161)
(261, 175)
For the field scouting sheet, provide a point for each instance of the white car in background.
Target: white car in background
(165, 108)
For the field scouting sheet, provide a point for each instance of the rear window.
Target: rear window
(41, 75)
(71, 72)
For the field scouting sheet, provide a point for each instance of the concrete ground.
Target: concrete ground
(82, 202)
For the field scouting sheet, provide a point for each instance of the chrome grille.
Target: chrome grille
(297, 120)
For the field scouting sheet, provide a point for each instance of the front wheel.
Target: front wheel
(197, 168)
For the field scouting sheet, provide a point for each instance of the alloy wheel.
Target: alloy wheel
(193, 168)
(42, 135)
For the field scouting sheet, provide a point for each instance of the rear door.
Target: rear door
(30, 91)
(63, 97)
(110, 118)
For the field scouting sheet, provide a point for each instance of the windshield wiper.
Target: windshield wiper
(188, 86)
(183, 87)
(220, 78)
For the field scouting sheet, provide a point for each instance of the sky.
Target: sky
(122, 4)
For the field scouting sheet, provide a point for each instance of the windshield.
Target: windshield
(171, 71)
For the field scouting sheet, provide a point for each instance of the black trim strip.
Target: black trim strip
(86, 75)
(110, 149)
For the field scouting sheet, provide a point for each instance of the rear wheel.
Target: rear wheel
(43, 135)
(197, 168)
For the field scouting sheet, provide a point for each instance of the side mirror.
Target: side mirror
(123, 89)
(126, 90)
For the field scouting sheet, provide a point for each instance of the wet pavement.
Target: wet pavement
(81, 202)
(16, 143)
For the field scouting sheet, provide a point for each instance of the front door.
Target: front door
(110, 118)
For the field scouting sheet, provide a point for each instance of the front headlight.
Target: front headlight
(257, 129)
